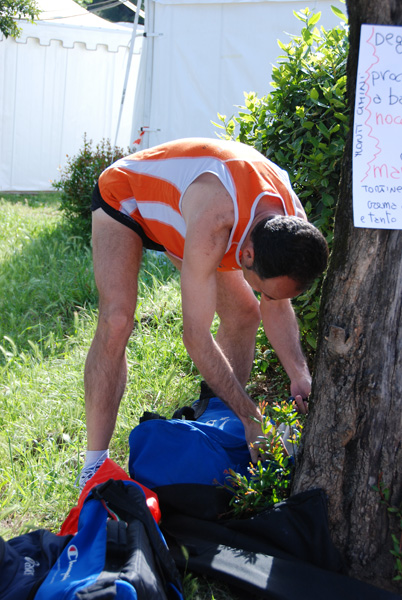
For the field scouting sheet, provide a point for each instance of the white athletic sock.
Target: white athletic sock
(94, 456)
(93, 460)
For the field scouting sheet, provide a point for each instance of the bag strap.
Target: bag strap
(116, 539)
(127, 499)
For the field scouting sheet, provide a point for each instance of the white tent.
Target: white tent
(62, 78)
(65, 76)
(199, 57)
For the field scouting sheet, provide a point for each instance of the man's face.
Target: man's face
(274, 288)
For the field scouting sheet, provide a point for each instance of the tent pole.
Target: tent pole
(130, 56)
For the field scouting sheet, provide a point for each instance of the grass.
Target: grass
(48, 313)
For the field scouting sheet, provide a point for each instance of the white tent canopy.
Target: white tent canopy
(65, 75)
(61, 78)
(200, 57)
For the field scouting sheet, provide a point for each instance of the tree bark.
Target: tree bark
(352, 439)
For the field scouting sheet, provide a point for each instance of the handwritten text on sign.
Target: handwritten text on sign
(377, 134)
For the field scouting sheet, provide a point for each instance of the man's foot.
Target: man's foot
(90, 469)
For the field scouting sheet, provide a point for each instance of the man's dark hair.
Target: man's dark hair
(289, 246)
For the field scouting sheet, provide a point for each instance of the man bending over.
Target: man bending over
(228, 218)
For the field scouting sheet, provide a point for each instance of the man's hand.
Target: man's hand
(259, 443)
(300, 391)
(256, 445)
(301, 404)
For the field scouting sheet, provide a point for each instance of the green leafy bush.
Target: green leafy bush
(302, 125)
(78, 179)
(267, 482)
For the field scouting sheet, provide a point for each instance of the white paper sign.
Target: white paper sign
(377, 133)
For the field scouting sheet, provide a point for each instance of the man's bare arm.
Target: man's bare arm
(208, 230)
(281, 328)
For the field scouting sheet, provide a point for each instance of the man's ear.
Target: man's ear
(248, 256)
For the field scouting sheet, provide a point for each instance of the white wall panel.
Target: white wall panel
(53, 90)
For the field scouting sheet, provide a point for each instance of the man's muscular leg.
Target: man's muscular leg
(239, 314)
(117, 253)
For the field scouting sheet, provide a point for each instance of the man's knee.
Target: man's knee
(250, 316)
(115, 326)
(246, 317)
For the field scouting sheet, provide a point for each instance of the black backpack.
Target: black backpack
(118, 553)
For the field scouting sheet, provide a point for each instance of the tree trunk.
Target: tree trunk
(352, 439)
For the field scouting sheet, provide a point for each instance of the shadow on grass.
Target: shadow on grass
(47, 280)
(42, 285)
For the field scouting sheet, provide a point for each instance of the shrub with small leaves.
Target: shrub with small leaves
(302, 125)
(78, 179)
(267, 482)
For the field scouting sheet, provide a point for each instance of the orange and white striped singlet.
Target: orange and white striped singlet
(148, 186)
